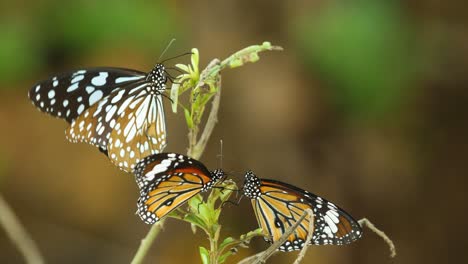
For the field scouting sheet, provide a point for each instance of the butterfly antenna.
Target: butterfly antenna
(175, 57)
(220, 155)
(167, 47)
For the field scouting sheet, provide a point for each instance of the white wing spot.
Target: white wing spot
(96, 96)
(72, 87)
(80, 109)
(90, 89)
(51, 94)
(100, 79)
(77, 78)
(126, 79)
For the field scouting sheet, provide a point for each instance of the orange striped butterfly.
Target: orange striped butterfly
(167, 180)
(120, 111)
(278, 205)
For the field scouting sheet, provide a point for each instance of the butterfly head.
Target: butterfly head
(252, 185)
(217, 175)
(158, 77)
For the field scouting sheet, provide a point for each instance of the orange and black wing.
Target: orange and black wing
(279, 205)
(167, 180)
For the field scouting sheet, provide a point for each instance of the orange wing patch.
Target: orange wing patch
(168, 195)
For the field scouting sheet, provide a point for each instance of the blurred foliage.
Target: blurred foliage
(3, 166)
(19, 53)
(36, 38)
(86, 24)
(364, 51)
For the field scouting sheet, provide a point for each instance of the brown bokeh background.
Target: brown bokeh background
(366, 106)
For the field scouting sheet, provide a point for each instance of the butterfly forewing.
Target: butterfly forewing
(68, 95)
(167, 180)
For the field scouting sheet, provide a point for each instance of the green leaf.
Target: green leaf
(194, 202)
(205, 255)
(249, 54)
(194, 228)
(225, 242)
(194, 59)
(188, 118)
(182, 67)
(175, 96)
(193, 219)
(206, 213)
(224, 256)
(206, 98)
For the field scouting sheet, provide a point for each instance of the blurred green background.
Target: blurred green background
(366, 106)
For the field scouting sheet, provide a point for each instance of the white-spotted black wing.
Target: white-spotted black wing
(69, 94)
(119, 111)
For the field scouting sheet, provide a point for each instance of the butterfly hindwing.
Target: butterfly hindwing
(122, 122)
(142, 132)
(68, 95)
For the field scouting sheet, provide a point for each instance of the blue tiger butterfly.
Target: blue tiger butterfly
(118, 110)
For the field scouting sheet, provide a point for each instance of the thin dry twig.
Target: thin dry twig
(18, 234)
(212, 120)
(380, 233)
(309, 237)
(264, 255)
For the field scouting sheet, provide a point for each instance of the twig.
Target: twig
(380, 233)
(18, 234)
(212, 120)
(264, 255)
(196, 148)
(147, 242)
(309, 237)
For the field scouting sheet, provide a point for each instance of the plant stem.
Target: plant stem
(264, 255)
(147, 242)
(194, 152)
(214, 245)
(18, 234)
(380, 233)
(212, 120)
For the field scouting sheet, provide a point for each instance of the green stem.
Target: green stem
(214, 246)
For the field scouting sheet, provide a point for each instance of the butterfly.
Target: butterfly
(120, 111)
(167, 180)
(278, 205)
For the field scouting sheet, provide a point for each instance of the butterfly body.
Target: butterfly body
(167, 180)
(120, 111)
(278, 205)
